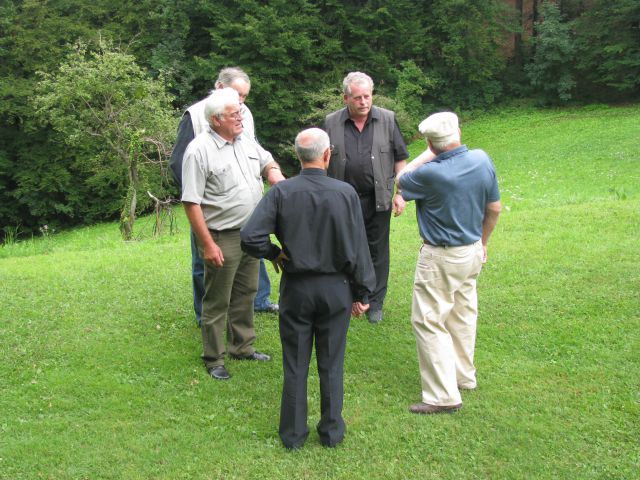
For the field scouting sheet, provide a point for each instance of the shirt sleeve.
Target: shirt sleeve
(494, 191)
(255, 235)
(265, 156)
(414, 184)
(400, 151)
(183, 138)
(194, 175)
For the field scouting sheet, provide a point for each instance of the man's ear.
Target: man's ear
(327, 158)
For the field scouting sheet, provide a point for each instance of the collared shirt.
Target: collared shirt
(223, 178)
(451, 193)
(358, 145)
(188, 129)
(318, 222)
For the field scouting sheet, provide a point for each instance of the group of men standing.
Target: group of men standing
(333, 222)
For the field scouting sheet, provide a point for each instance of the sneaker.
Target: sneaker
(270, 308)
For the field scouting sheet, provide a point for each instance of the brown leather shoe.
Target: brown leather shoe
(425, 408)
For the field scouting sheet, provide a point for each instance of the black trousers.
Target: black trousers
(377, 225)
(313, 307)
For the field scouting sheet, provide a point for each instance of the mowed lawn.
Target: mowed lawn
(100, 375)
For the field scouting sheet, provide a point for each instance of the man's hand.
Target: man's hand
(359, 308)
(398, 204)
(213, 254)
(484, 254)
(278, 262)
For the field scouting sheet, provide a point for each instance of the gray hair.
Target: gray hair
(311, 144)
(229, 75)
(218, 100)
(358, 78)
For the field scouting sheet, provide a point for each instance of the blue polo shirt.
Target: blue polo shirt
(451, 193)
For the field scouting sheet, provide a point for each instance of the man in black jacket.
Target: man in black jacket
(327, 276)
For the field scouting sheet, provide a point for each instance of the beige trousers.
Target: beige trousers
(444, 315)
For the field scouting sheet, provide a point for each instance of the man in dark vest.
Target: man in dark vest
(368, 152)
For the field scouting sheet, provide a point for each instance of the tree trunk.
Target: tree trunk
(128, 215)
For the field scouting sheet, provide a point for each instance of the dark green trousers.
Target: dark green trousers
(227, 304)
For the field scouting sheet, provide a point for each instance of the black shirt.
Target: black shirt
(318, 222)
(357, 145)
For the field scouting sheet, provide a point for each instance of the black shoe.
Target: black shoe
(258, 356)
(219, 372)
(374, 316)
(271, 308)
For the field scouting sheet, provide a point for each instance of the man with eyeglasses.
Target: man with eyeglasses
(369, 152)
(327, 275)
(221, 179)
(193, 123)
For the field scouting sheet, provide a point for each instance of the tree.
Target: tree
(608, 49)
(413, 86)
(106, 107)
(551, 69)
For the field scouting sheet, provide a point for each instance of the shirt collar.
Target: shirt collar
(313, 171)
(219, 141)
(451, 153)
(374, 114)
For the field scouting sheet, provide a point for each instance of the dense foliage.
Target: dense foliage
(550, 68)
(423, 55)
(105, 106)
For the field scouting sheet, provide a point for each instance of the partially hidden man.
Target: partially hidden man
(368, 152)
(327, 275)
(457, 205)
(193, 122)
(222, 183)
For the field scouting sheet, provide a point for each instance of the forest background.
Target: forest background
(92, 91)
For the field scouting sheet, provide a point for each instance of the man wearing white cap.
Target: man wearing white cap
(457, 206)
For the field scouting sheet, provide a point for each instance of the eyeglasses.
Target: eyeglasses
(331, 147)
(236, 115)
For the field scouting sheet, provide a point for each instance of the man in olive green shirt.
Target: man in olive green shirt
(222, 183)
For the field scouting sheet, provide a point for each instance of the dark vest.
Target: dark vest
(382, 156)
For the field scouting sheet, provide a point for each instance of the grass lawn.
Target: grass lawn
(100, 375)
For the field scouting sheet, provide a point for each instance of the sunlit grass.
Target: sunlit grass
(99, 353)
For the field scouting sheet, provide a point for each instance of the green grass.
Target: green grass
(100, 375)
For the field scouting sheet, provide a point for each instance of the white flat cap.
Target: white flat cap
(440, 127)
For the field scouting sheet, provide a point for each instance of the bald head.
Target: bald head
(311, 147)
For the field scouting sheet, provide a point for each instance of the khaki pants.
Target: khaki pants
(229, 292)
(444, 315)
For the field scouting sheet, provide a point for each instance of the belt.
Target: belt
(437, 246)
(445, 246)
(365, 194)
(228, 230)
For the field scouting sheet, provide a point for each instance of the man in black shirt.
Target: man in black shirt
(369, 152)
(327, 275)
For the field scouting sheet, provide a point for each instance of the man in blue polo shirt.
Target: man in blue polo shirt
(457, 204)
